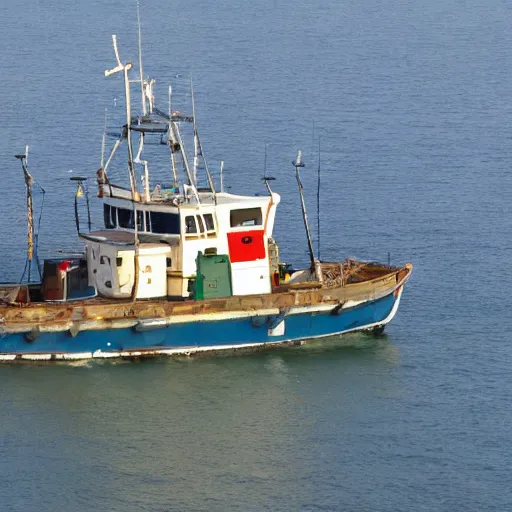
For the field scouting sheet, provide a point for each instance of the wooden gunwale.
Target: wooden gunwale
(110, 313)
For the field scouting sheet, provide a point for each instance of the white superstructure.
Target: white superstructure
(162, 229)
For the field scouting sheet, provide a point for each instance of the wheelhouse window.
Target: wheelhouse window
(125, 218)
(140, 220)
(246, 217)
(165, 223)
(190, 224)
(110, 220)
(200, 223)
(208, 220)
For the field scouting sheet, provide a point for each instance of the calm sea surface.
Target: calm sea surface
(413, 103)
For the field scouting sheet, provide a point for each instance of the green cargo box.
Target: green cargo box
(213, 278)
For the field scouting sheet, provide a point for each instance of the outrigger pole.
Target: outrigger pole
(298, 164)
(125, 68)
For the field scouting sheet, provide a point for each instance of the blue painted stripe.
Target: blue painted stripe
(203, 334)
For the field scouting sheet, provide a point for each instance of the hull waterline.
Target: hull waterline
(250, 332)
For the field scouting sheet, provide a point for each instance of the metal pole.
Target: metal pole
(318, 201)
(196, 141)
(88, 207)
(125, 68)
(77, 218)
(141, 72)
(298, 164)
(30, 212)
(172, 141)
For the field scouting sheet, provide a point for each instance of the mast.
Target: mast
(172, 142)
(298, 164)
(30, 211)
(125, 68)
(196, 138)
(144, 164)
(141, 72)
(143, 94)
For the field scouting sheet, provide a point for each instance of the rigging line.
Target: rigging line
(265, 161)
(24, 271)
(40, 212)
(198, 148)
(86, 190)
(318, 200)
(313, 137)
(196, 142)
(103, 141)
(36, 236)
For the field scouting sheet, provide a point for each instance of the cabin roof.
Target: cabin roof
(206, 199)
(116, 237)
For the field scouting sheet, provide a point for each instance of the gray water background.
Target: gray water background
(412, 100)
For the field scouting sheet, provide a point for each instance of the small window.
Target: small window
(208, 220)
(246, 217)
(200, 223)
(168, 262)
(140, 220)
(119, 262)
(190, 224)
(125, 218)
(107, 217)
(148, 223)
(165, 223)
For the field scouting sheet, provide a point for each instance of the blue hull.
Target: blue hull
(201, 336)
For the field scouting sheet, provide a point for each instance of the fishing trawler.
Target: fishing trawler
(180, 268)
